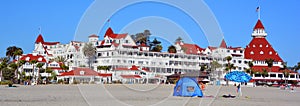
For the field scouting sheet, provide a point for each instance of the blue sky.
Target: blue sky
(59, 20)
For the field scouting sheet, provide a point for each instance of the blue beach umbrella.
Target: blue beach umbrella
(238, 76)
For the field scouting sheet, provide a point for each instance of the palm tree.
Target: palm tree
(179, 39)
(64, 67)
(264, 73)
(33, 63)
(60, 59)
(3, 65)
(286, 75)
(103, 68)
(49, 71)
(229, 58)
(89, 51)
(20, 63)
(250, 64)
(172, 49)
(157, 48)
(270, 63)
(214, 65)
(297, 67)
(39, 66)
(13, 66)
(13, 51)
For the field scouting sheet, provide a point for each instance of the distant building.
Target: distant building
(258, 50)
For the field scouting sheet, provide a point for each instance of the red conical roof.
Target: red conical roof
(223, 44)
(39, 39)
(261, 49)
(259, 25)
(109, 31)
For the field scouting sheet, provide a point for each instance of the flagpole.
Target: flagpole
(40, 30)
(258, 10)
(259, 13)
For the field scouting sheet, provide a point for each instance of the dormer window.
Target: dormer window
(27, 58)
(261, 52)
(81, 72)
(40, 59)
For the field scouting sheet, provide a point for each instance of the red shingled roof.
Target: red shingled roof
(29, 57)
(191, 48)
(273, 69)
(87, 72)
(259, 25)
(223, 44)
(51, 43)
(94, 35)
(110, 33)
(133, 68)
(131, 76)
(261, 50)
(39, 39)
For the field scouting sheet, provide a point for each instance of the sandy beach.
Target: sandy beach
(141, 95)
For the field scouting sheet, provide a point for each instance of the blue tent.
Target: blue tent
(187, 86)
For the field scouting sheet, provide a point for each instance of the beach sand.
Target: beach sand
(141, 95)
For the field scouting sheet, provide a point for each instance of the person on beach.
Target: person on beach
(238, 90)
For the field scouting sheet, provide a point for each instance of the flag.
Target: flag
(257, 9)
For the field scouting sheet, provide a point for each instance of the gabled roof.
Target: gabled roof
(39, 39)
(190, 48)
(258, 25)
(110, 33)
(223, 44)
(29, 57)
(260, 49)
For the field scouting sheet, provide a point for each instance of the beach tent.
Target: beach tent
(187, 86)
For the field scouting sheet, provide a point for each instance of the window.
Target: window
(261, 52)
(240, 61)
(267, 45)
(270, 52)
(292, 76)
(260, 45)
(273, 75)
(251, 52)
(126, 41)
(253, 45)
(280, 75)
(257, 75)
(241, 51)
(234, 51)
